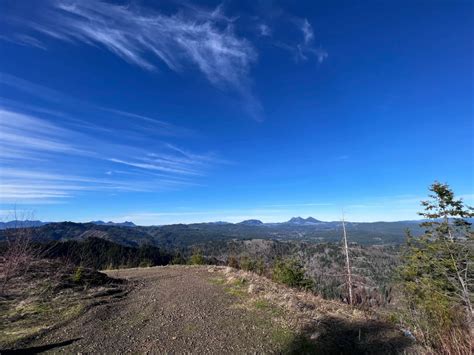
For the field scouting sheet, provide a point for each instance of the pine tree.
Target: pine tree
(436, 274)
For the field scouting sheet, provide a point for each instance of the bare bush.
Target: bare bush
(18, 253)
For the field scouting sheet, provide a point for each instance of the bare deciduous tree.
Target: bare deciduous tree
(18, 253)
(348, 265)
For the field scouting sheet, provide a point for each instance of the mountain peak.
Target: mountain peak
(251, 222)
(300, 220)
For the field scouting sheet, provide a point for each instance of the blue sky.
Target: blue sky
(162, 112)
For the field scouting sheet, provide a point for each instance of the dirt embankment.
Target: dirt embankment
(47, 294)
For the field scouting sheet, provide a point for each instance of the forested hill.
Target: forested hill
(185, 235)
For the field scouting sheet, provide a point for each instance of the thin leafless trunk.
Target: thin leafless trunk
(19, 252)
(463, 282)
(348, 265)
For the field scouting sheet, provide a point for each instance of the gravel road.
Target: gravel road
(169, 309)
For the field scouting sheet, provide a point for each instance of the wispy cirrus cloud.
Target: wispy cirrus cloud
(204, 39)
(48, 140)
(23, 40)
(264, 30)
(33, 89)
(21, 186)
(146, 122)
(34, 136)
(305, 48)
(133, 123)
(23, 133)
(190, 37)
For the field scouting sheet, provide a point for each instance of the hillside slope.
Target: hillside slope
(219, 310)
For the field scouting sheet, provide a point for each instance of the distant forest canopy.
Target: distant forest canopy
(186, 235)
(99, 254)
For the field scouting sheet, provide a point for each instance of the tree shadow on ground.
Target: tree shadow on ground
(332, 335)
(38, 349)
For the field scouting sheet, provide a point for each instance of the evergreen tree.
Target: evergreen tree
(436, 274)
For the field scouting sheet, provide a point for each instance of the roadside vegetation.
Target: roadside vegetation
(291, 273)
(436, 275)
(197, 258)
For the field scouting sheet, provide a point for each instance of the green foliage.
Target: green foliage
(290, 272)
(146, 263)
(98, 254)
(78, 274)
(178, 259)
(248, 264)
(259, 267)
(197, 258)
(434, 277)
(253, 265)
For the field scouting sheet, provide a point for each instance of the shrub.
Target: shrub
(19, 253)
(145, 263)
(252, 265)
(260, 267)
(197, 258)
(78, 274)
(233, 262)
(290, 272)
(178, 259)
(247, 264)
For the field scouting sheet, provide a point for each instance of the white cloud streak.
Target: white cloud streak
(134, 122)
(201, 38)
(307, 30)
(264, 30)
(23, 40)
(21, 186)
(20, 132)
(27, 138)
(304, 49)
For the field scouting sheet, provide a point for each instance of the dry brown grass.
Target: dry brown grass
(322, 326)
(48, 293)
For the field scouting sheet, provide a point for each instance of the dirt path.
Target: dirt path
(169, 309)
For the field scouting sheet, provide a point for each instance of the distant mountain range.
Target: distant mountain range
(298, 221)
(21, 224)
(177, 236)
(251, 222)
(110, 223)
(294, 221)
(185, 235)
(28, 224)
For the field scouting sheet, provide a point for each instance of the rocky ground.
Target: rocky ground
(206, 309)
